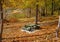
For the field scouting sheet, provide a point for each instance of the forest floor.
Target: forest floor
(47, 33)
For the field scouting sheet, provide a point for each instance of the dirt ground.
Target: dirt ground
(12, 32)
(47, 33)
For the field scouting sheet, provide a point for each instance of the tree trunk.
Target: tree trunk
(37, 14)
(45, 8)
(58, 11)
(29, 12)
(1, 28)
(43, 11)
(52, 12)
